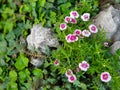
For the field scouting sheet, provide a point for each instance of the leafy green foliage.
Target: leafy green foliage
(13, 75)
(21, 62)
(16, 19)
(38, 73)
(16, 73)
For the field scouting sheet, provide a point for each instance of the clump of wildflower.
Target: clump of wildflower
(84, 66)
(86, 33)
(85, 17)
(67, 19)
(105, 77)
(56, 62)
(93, 28)
(72, 78)
(71, 38)
(77, 32)
(63, 26)
(74, 14)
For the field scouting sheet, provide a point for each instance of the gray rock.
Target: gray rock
(37, 62)
(39, 40)
(109, 20)
(115, 47)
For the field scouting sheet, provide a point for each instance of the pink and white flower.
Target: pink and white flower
(69, 73)
(84, 66)
(68, 37)
(77, 32)
(67, 19)
(72, 78)
(71, 38)
(74, 14)
(105, 77)
(93, 28)
(85, 17)
(56, 62)
(73, 20)
(86, 33)
(63, 26)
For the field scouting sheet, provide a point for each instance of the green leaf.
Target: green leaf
(45, 71)
(52, 16)
(26, 8)
(118, 52)
(48, 5)
(65, 7)
(10, 35)
(21, 62)
(1, 37)
(1, 71)
(42, 15)
(38, 72)
(8, 26)
(77, 83)
(42, 3)
(13, 75)
(57, 88)
(46, 64)
(28, 86)
(24, 75)
(7, 12)
(51, 1)
(61, 1)
(3, 46)
(13, 86)
(12, 5)
(2, 62)
(52, 80)
(83, 86)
